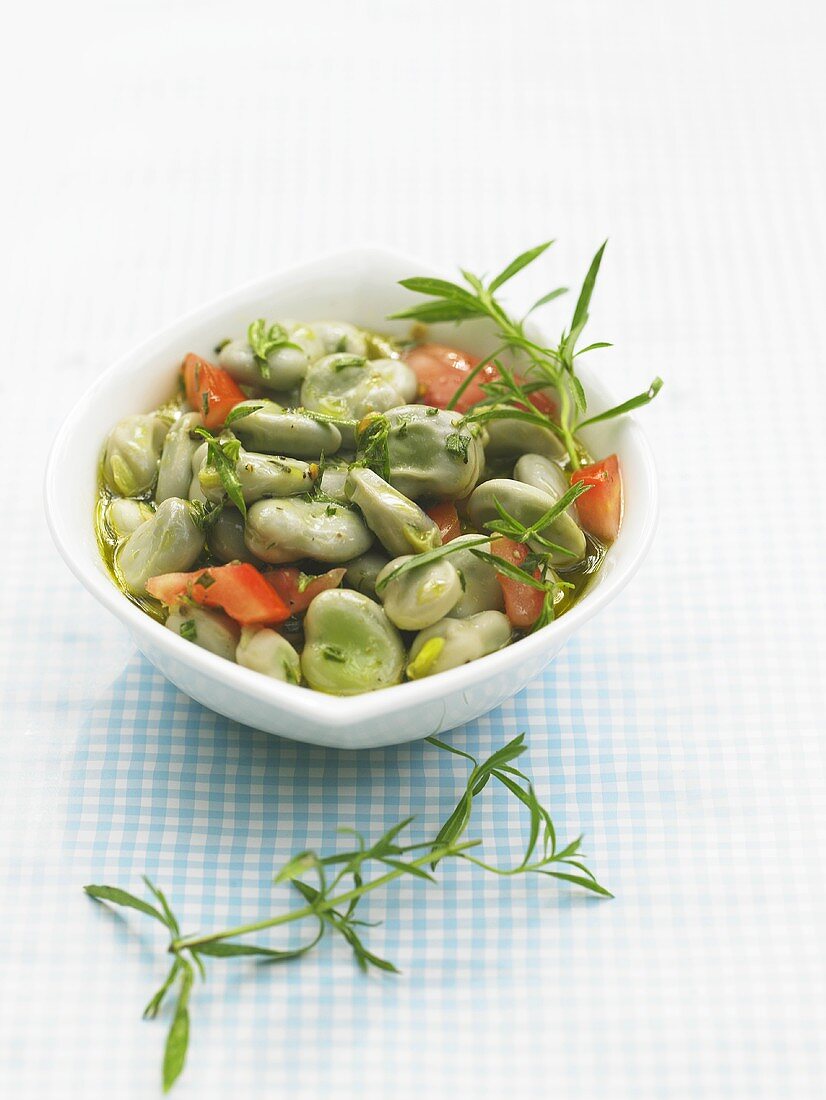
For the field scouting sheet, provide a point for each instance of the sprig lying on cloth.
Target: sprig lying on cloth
(339, 881)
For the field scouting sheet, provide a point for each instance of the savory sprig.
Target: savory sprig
(539, 575)
(223, 455)
(546, 367)
(342, 879)
(510, 527)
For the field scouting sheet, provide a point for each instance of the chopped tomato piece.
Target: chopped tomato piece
(297, 590)
(523, 604)
(600, 509)
(446, 518)
(210, 390)
(441, 370)
(238, 588)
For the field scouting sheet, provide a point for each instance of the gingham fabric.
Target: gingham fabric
(160, 153)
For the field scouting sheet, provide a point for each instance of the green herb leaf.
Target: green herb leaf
(177, 1041)
(584, 300)
(121, 897)
(507, 569)
(223, 455)
(168, 914)
(441, 288)
(239, 412)
(152, 1009)
(516, 265)
(627, 406)
(549, 297)
(458, 443)
(418, 560)
(431, 313)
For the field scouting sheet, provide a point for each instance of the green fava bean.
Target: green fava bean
(260, 476)
(399, 524)
(509, 438)
(454, 642)
(340, 336)
(481, 589)
(420, 597)
(264, 650)
(270, 429)
(363, 571)
(332, 483)
(133, 450)
(175, 469)
(543, 474)
(528, 504)
(432, 454)
(125, 516)
(168, 542)
(211, 630)
(225, 538)
(287, 530)
(285, 366)
(350, 386)
(350, 645)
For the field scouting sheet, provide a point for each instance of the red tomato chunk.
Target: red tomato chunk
(441, 370)
(296, 591)
(210, 390)
(446, 518)
(238, 589)
(600, 509)
(523, 604)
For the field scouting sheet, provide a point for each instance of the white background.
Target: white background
(158, 153)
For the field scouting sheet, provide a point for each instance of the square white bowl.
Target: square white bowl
(359, 286)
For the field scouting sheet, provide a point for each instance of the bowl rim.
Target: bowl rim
(332, 711)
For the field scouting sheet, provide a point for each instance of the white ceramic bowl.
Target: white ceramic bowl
(359, 286)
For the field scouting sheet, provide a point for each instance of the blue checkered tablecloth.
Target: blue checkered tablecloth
(162, 152)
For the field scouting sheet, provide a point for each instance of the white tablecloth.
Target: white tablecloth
(158, 153)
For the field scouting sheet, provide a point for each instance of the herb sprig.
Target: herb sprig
(554, 367)
(508, 526)
(264, 341)
(223, 454)
(342, 879)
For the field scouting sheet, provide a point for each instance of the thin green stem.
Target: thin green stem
(188, 942)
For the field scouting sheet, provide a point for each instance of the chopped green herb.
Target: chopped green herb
(457, 444)
(239, 412)
(189, 630)
(223, 455)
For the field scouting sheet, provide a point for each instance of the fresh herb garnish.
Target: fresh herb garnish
(239, 412)
(546, 366)
(341, 879)
(189, 630)
(223, 455)
(205, 515)
(512, 528)
(264, 341)
(457, 443)
(372, 435)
